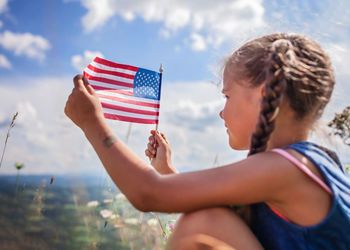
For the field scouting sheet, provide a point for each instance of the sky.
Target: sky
(43, 44)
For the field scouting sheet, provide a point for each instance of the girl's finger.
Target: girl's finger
(151, 139)
(90, 89)
(149, 154)
(150, 148)
(164, 137)
(79, 83)
(160, 139)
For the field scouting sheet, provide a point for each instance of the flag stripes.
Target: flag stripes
(128, 119)
(126, 109)
(115, 65)
(105, 67)
(111, 72)
(103, 88)
(107, 78)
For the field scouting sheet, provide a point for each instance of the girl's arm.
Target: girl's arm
(258, 178)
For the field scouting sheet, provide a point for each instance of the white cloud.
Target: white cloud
(79, 62)
(99, 12)
(338, 53)
(32, 46)
(3, 5)
(4, 63)
(213, 21)
(197, 42)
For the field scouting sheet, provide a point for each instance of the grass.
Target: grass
(46, 216)
(12, 124)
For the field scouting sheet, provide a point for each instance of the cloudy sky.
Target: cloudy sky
(43, 44)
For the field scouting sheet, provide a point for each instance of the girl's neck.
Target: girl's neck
(289, 130)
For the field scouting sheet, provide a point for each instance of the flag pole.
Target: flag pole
(160, 88)
(154, 136)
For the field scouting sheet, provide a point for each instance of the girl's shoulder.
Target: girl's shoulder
(334, 174)
(323, 158)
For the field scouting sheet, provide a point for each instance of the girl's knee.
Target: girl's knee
(199, 220)
(220, 225)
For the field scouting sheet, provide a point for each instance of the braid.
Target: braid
(281, 54)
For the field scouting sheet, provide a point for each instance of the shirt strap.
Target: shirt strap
(303, 168)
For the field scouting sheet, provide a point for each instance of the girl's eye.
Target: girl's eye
(225, 96)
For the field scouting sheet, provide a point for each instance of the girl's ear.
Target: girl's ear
(262, 90)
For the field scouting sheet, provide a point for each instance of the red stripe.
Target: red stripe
(115, 65)
(110, 72)
(110, 81)
(130, 110)
(118, 91)
(130, 119)
(114, 98)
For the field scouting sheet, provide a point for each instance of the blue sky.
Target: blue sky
(43, 44)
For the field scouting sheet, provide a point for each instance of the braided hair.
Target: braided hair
(291, 66)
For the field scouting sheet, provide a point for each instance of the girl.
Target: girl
(299, 195)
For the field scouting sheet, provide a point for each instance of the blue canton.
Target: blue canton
(146, 84)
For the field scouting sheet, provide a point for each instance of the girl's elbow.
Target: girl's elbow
(147, 199)
(143, 204)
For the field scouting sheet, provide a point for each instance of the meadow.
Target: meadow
(75, 213)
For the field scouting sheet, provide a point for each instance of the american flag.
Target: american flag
(127, 93)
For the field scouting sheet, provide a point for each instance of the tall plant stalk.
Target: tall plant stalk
(8, 135)
(18, 166)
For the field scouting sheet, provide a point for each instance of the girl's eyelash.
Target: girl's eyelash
(225, 96)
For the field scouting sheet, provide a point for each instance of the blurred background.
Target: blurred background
(43, 44)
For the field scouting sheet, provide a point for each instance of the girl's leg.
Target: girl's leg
(214, 228)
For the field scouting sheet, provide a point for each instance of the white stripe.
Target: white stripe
(108, 76)
(128, 105)
(101, 66)
(107, 85)
(128, 114)
(139, 99)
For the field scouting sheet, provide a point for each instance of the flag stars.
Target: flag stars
(146, 84)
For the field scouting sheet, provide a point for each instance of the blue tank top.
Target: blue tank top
(333, 232)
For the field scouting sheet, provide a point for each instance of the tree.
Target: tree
(341, 125)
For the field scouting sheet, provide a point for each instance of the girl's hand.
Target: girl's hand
(158, 150)
(83, 106)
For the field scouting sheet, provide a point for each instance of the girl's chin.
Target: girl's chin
(236, 146)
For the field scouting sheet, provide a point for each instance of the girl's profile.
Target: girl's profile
(289, 193)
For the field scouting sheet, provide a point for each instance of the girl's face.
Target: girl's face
(241, 110)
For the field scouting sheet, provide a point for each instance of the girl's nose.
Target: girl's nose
(221, 114)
